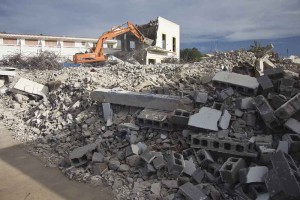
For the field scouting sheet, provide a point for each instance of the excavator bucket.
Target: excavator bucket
(148, 41)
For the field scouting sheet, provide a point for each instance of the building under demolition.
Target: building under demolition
(164, 33)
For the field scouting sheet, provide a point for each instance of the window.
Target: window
(83, 44)
(51, 43)
(151, 61)
(69, 44)
(30, 42)
(110, 46)
(164, 42)
(9, 41)
(174, 44)
(132, 44)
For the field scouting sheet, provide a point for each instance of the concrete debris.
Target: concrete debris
(174, 131)
(152, 101)
(25, 86)
(206, 118)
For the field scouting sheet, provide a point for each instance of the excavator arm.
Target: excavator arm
(98, 54)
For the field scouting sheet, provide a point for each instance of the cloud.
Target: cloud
(200, 20)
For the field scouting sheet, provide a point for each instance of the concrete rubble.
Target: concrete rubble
(167, 131)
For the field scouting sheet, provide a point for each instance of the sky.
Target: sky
(206, 24)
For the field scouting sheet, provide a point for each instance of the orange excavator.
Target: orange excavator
(98, 54)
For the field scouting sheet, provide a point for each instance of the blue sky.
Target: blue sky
(206, 24)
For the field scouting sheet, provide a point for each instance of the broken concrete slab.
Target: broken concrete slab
(198, 175)
(293, 125)
(282, 180)
(171, 184)
(152, 101)
(225, 120)
(191, 192)
(266, 84)
(224, 94)
(189, 167)
(242, 83)
(25, 86)
(283, 146)
(206, 118)
(253, 174)
(97, 157)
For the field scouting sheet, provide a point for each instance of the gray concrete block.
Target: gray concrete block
(245, 103)
(82, 155)
(283, 146)
(159, 162)
(265, 84)
(107, 111)
(274, 73)
(225, 120)
(200, 97)
(293, 125)
(147, 170)
(241, 83)
(266, 111)
(204, 157)
(147, 156)
(294, 142)
(230, 169)
(198, 175)
(97, 157)
(152, 101)
(206, 118)
(171, 184)
(175, 163)
(286, 86)
(191, 192)
(264, 140)
(283, 180)
(277, 101)
(265, 154)
(288, 109)
(181, 117)
(226, 145)
(224, 94)
(132, 149)
(253, 174)
(154, 119)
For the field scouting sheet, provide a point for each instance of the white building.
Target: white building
(66, 47)
(167, 42)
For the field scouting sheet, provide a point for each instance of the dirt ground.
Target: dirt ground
(25, 177)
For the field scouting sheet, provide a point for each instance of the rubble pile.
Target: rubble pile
(45, 60)
(165, 131)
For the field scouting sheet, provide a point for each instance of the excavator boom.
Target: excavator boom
(98, 54)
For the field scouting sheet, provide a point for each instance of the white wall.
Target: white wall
(170, 29)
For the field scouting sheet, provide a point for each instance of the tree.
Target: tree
(190, 55)
(256, 47)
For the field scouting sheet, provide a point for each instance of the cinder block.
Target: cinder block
(277, 101)
(266, 111)
(200, 97)
(274, 73)
(283, 180)
(82, 155)
(245, 103)
(159, 162)
(241, 83)
(294, 142)
(198, 175)
(218, 106)
(225, 145)
(258, 191)
(286, 86)
(288, 109)
(175, 163)
(265, 84)
(230, 169)
(191, 192)
(147, 156)
(203, 157)
(189, 167)
(147, 170)
(155, 119)
(293, 125)
(224, 94)
(181, 117)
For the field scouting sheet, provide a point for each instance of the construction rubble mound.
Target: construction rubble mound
(207, 130)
